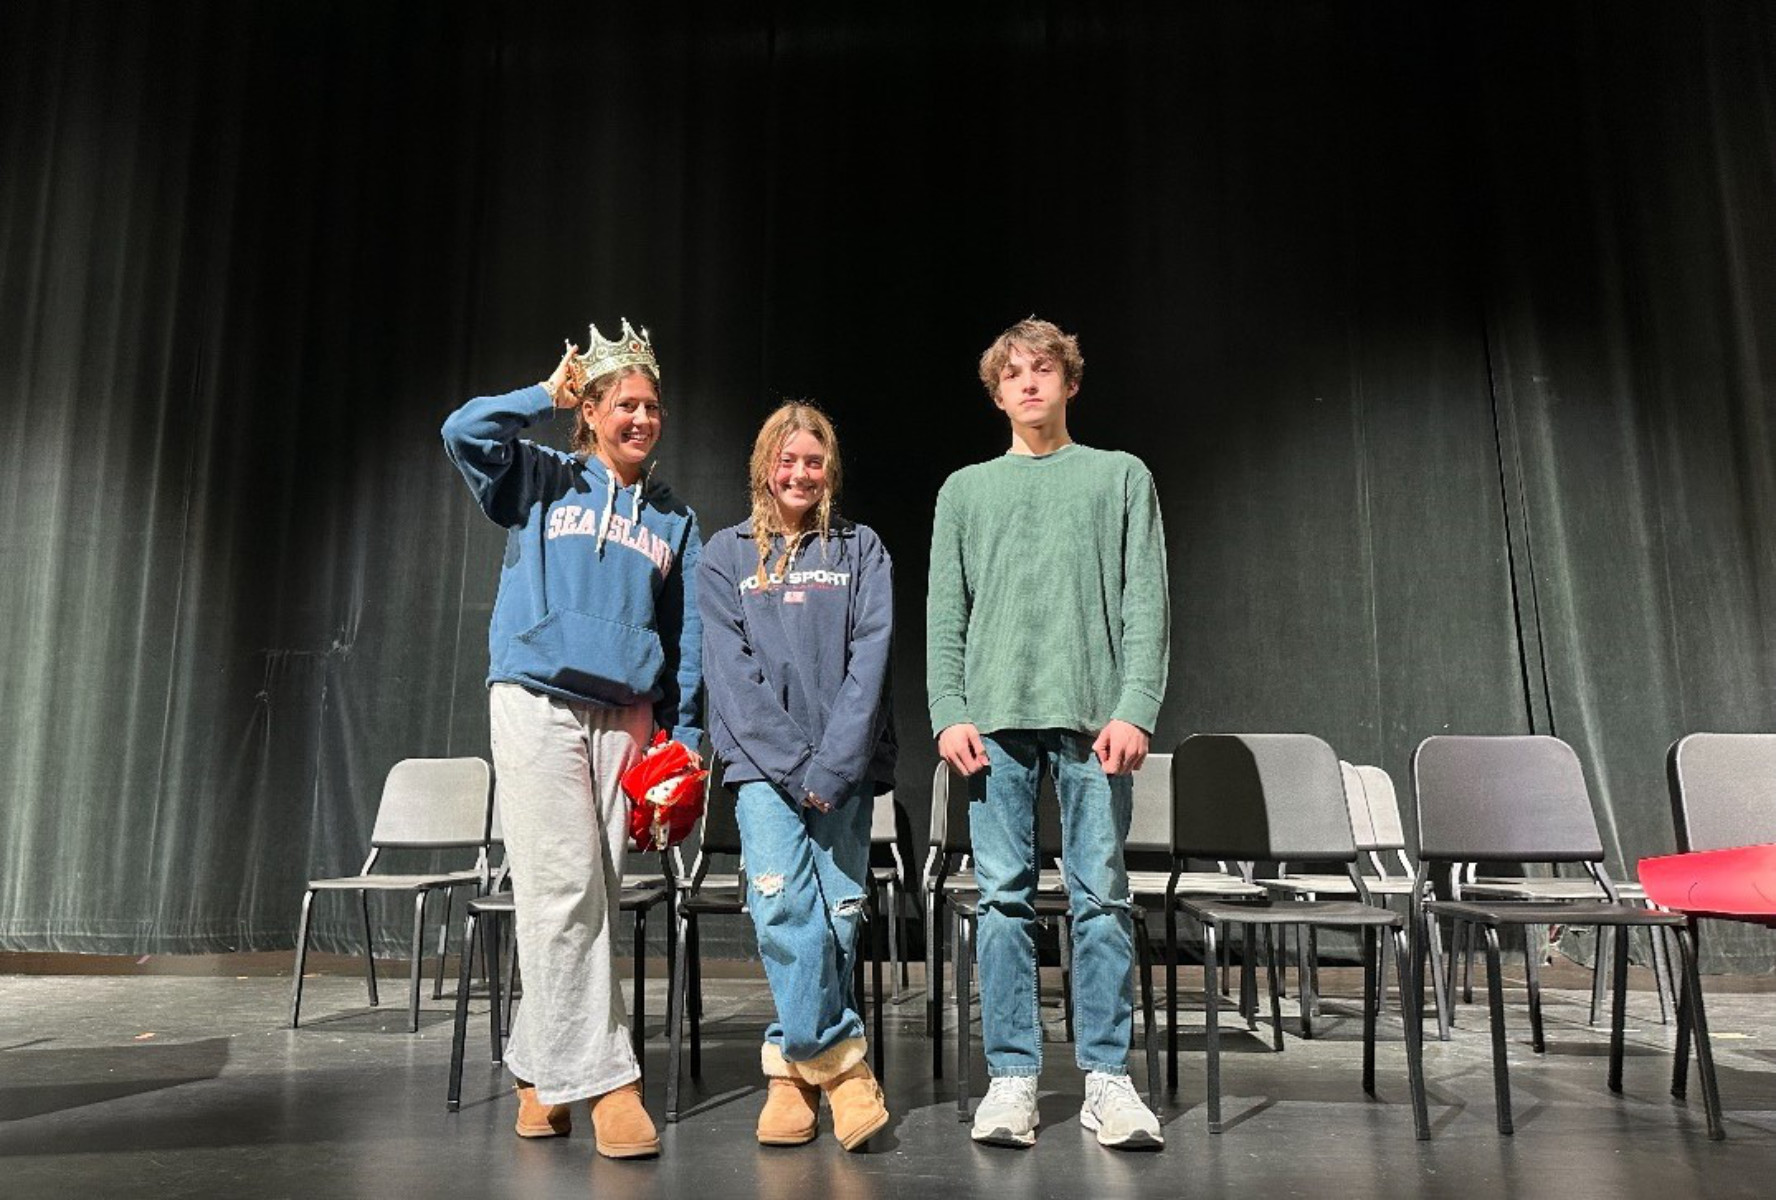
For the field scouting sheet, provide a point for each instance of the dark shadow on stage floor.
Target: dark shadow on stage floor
(42, 1079)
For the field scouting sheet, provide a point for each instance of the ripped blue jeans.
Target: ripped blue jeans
(806, 883)
(1095, 810)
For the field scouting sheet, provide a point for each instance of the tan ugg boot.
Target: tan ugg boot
(621, 1125)
(539, 1120)
(858, 1108)
(791, 1116)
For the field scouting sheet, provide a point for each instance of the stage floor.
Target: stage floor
(164, 1086)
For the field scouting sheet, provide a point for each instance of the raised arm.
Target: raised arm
(482, 440)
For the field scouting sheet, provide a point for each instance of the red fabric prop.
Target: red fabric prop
(1739, 881)
(665, 788)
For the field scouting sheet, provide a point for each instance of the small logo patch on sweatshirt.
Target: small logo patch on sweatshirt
(795, 597)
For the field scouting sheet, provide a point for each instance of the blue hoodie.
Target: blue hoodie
(798, 672)
(597, 596)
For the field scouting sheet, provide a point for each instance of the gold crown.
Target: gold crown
(630, 349)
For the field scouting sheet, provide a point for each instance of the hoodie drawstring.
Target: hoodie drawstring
(610, 505)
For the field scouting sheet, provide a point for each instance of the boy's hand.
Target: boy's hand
(960, 746)
(1121, 748)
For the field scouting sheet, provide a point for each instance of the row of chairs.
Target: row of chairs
(1238, 802)
(443, 805)
(1259, 801)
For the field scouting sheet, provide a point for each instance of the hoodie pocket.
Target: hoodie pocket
(591, 656)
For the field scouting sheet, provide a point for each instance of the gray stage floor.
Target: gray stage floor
(163, 1086)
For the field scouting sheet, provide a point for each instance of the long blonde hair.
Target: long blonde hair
(767, 519)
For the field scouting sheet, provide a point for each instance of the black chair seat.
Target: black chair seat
(393, 883)
(714, 900)
(1289, 912)
(1531, 913)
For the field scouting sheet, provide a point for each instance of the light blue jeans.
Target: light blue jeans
(807, 873)
(1095, 811)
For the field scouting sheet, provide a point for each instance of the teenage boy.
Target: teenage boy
(1047, 641)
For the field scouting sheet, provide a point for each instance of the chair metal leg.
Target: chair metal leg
(513, 982)
(1271, 940)
(1535, 940)
(694, 999)
(1619, 1009)
(1172, 953)
(1599, 961)
(369, 949)
(675, 1013)
(964, 947)
(1064, 928)
(459, 1027)
(1310, 984)
(1212, 1030)
(1688, 949)
(880, 932)
(898, 967)
(638, 1017)
(1371, 1002)
(416, 962)
(443, 944)
(1468, 966)
(1439, 993)
(1412, 1017)
(1150, 1034)
(1249, 952)
(301, 958)
(934, 1014)
(498, 1012)
(1661, 959)
(1495, 997)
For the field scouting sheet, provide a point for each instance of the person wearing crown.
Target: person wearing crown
(594, 640)
(1046, 652)
(798, 617)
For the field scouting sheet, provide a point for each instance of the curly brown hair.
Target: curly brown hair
(1036, 337)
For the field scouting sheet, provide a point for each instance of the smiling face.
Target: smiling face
(798, 478)
(1033, 391)
(627, 420)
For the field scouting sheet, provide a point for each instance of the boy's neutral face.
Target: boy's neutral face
(1032, 389)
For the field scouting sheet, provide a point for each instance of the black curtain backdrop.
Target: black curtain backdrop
(1444, 328)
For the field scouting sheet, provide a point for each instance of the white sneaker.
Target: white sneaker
(1115, 1112)
(1007, 1116)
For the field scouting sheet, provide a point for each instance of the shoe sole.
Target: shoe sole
(863, 1135)
(1140, 1139)
(1001, 1136)
(641, 1150)
(540, 1131)
(788, 1140)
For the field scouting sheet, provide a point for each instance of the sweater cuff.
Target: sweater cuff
(1138, 709)
(826, 783)
(947, 711)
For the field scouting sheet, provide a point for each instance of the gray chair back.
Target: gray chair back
(1502, 799)
(882, 826)
(1259, 797)
(1150, 821)
(1383, 806)
(1723, 789)
(949, 811)
(1356, 802)
(435, 804)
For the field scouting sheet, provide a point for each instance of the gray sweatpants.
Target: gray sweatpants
(566, 822)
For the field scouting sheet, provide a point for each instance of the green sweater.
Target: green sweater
(1047, 606)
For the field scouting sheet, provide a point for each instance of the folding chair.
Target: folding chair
(427, 804)
(1270, 798)
(1523, 799)
(1723, 794)
(891, 878)
(1376, 828)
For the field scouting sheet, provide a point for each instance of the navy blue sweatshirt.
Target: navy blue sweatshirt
(597, 596)
(798, 671)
